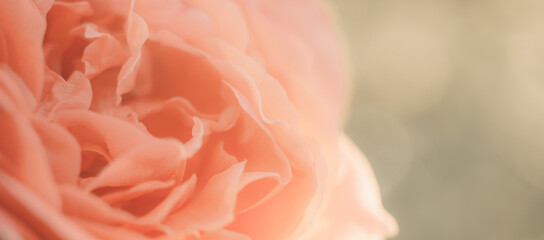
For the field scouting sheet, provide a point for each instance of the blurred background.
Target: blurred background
(448, 106)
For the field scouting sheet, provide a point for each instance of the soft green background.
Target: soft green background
(449, 108)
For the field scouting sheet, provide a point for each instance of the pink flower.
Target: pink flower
(177, 119)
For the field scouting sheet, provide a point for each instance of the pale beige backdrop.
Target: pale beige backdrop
(449, 108)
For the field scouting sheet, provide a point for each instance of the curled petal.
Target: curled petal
(213, 207)
(354, 210)
(59, 94)
(79, 204)
(137, 34)
(175, 199)
(156, 161)
(43, 5)
(104, 52)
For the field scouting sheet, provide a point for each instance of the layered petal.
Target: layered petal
(354, 210)
(21, 42)
(38, 214)
(213, 207)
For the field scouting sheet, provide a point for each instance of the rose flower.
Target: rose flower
(178, 119)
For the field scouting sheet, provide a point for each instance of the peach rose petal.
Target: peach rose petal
(157, 161)
(175, 199)
(241, 72)
(43, 5)
(301, 183)
(137, 34)
(62, 41)
(230, 22)
(63, 151)
(266, 143)
(272, 223)
(158, 118)
(213, 207)
(354, 210)
(177, 43)
(257, 145)
(16, 90)
(106, 231)
(302, 53)
(181, 111)
(104, 52)
(115, 135)
(107, 8)
(21, 42)
(199, 131)
(14, 228)
(60, 94)
(177, 17)
(40, 216)
(104, 90)
(245, 75)
(78, 204)
(212, 160)
(30, 167)
(173, 62)
(137, 191)
(255, 188)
